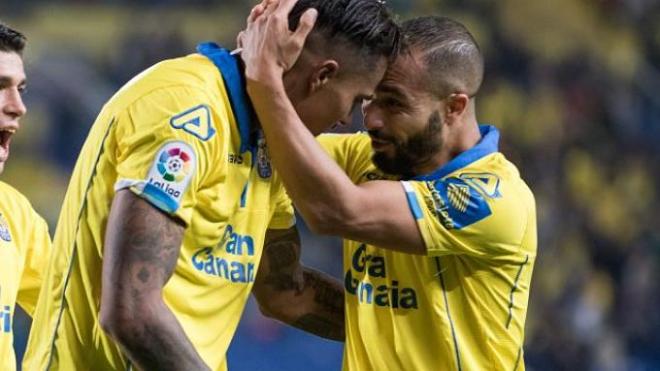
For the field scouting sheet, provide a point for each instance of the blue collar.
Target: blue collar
(488, 144)
(235, 84)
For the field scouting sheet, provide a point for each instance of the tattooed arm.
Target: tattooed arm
(304, 298)
(141, 249)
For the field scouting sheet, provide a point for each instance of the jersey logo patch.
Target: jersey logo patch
(170, 175)
(5, 235)
(459, 196)
(488, 184)
(195, 121)
(457, 203)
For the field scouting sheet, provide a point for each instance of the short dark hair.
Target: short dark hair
(367, 25)
(452, 58)
(11, 40)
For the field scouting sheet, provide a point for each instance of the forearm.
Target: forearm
(324, 306)
(324, 193)
(302, 297)
(155, 340)
(142, 247)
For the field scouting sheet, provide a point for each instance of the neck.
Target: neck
(466, 135)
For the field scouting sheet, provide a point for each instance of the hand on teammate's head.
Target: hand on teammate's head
(270, 48)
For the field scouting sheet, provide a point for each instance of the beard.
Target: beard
(409, 154)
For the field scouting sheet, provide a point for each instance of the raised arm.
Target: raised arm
(374, 212)
(142, 246)
(302, 297)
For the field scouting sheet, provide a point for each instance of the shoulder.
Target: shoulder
(356, 142)
(11, 196)
(16, 209)
(172, 83)
(487, 198)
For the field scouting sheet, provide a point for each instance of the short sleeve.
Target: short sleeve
(284, 216)
(457, 216)
(352, 152)
(167, 142)
(38, 249)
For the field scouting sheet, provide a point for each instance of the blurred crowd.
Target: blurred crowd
(573, 84)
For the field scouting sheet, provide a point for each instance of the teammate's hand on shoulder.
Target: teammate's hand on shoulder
(269, 47)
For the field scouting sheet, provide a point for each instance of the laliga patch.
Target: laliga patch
(170, 174)
(457, 203)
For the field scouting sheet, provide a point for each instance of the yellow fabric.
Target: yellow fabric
(24, 251)
(461, 307)
(178, 105)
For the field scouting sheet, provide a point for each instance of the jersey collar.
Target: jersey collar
(488, 144)
(232, 74)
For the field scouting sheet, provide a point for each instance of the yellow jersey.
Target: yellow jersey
(24, 251)
(463, 305)
(180, 135)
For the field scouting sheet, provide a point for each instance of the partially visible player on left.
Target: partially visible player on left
(24, 239)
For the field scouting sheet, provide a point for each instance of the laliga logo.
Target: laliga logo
(174, 165)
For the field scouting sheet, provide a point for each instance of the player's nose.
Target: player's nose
(373, 120)
(13, 105)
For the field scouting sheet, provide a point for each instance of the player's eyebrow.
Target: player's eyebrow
(6, 81)
(386, 89)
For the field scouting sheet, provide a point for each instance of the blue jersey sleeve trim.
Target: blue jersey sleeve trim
(160, 199)
(488, 144)
(234, 79)
(415, 209)
(244, 196)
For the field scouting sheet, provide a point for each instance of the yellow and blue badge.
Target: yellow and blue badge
(263, 161)
(5, 235)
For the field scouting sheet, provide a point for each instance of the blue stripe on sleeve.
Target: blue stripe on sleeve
(160, 199)
(412, 201)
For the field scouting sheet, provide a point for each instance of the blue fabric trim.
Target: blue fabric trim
(513, 290)
(518, 359)
(451, 322)
(244, 195)
(160, 199)
(234, 79)
(74, 250)
(414, 205)
(488, 144)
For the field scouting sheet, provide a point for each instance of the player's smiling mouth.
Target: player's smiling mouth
(5, 141)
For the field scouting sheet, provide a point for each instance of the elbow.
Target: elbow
(336, 221)
(268, 311)
(121, 319)
(113, 323)
(277, 308)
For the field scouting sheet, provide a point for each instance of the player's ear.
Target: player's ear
(322, 74)
(456, 105)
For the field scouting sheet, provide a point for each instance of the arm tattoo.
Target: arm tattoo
(320, 326)
(320, 296)
(283, 254)
(141, 250)
(328, 319)
(325, 291)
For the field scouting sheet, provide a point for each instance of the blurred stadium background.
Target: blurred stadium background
(573, 84)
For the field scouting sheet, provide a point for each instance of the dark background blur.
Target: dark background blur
(574, 86)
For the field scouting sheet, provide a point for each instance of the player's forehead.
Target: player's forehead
(404, 78)
(364, 79)
(12, 71)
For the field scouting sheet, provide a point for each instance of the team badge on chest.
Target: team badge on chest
(5, 235)
(263, 161)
